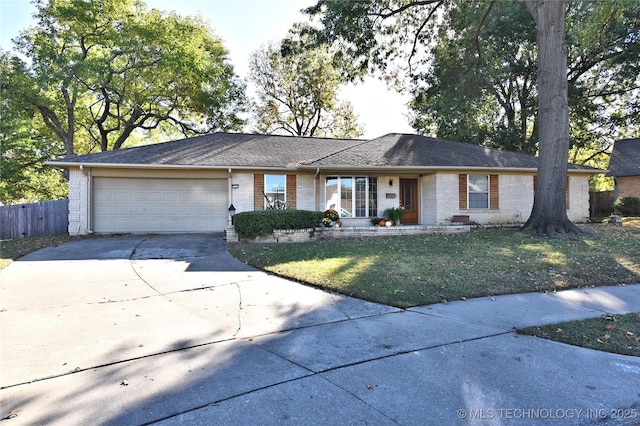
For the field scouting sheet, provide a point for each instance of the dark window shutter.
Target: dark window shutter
(291, 200)
(462, 191)
(258, 191)
(494, 196)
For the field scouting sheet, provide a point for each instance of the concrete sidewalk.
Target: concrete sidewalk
(172, 329)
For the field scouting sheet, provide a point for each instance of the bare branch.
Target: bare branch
(405, 7)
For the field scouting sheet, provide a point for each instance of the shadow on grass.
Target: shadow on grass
(410, 271)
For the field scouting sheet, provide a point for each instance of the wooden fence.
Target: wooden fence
(601, 203)
(34, 219)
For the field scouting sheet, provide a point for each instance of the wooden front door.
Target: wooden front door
(409, 201)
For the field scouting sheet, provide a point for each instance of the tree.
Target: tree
(100, 71)
(549, 214)
(481, 87)
(297, 92)
(382, 31)
(25, 145)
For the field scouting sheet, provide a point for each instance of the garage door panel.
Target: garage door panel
(159, 205)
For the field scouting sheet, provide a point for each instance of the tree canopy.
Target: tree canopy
(482, 85)
(297, 92)
(25, 145)
(99, 71)
(100, 75)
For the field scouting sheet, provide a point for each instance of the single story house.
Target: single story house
(188, 185)
(624, 166)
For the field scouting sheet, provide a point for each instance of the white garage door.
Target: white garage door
(159, 205)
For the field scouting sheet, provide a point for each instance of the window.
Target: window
(479, 192)
(352, 196)
(274, 191)
(478, 188)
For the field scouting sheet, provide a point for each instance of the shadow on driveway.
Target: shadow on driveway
(114, 331)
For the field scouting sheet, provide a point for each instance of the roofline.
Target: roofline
(309, 167)
(446, 168)
(78, 164)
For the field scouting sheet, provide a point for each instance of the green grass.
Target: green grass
(611, 333)
(420, 270)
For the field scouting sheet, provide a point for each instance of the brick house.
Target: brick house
(624, 166)
(188, 185)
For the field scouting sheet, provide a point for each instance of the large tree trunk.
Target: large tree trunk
(549, 214)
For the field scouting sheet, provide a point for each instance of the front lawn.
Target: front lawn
(421, 270)
(610, 333)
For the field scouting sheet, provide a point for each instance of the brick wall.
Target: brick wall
(628, 186)
(78, 201)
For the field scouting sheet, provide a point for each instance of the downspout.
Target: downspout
(315, 187)
(230, 192)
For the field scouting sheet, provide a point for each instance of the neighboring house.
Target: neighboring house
(624, 166)
(188, 185)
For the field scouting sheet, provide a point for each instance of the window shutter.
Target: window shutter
(291, 201)
(258, 191)
(494, 196)
(462, 191)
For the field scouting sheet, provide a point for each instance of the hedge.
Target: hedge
(628, 206)
(263, 222)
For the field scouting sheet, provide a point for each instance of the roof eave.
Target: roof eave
(73, 164)
(443, 168)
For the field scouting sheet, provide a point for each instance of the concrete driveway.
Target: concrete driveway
(172, 329)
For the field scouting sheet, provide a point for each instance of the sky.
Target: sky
(244, 26)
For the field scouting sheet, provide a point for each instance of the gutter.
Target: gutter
(343, 169)
(65, 164)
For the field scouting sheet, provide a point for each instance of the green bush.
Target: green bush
(331, 214)
(628, 206)
(263, 222)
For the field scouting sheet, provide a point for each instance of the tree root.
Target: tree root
(552, 228)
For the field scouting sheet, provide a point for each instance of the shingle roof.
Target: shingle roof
(625, 158)
(273, 151)
(221, 150)
(405, 150)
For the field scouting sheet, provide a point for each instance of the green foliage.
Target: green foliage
(627, 206)
(394, 213)
(482, 86)
(263, 222)
(25, 144)
(101, 72)
(297, 92)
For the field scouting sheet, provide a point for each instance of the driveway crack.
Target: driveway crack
(337, 304)
(239, 310)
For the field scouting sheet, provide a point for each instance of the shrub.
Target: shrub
(628, 206)
(263, 222)
(394, 214)
(331, 214)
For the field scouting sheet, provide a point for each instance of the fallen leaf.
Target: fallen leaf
(11, 415)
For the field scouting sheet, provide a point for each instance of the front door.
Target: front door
(409, 200)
